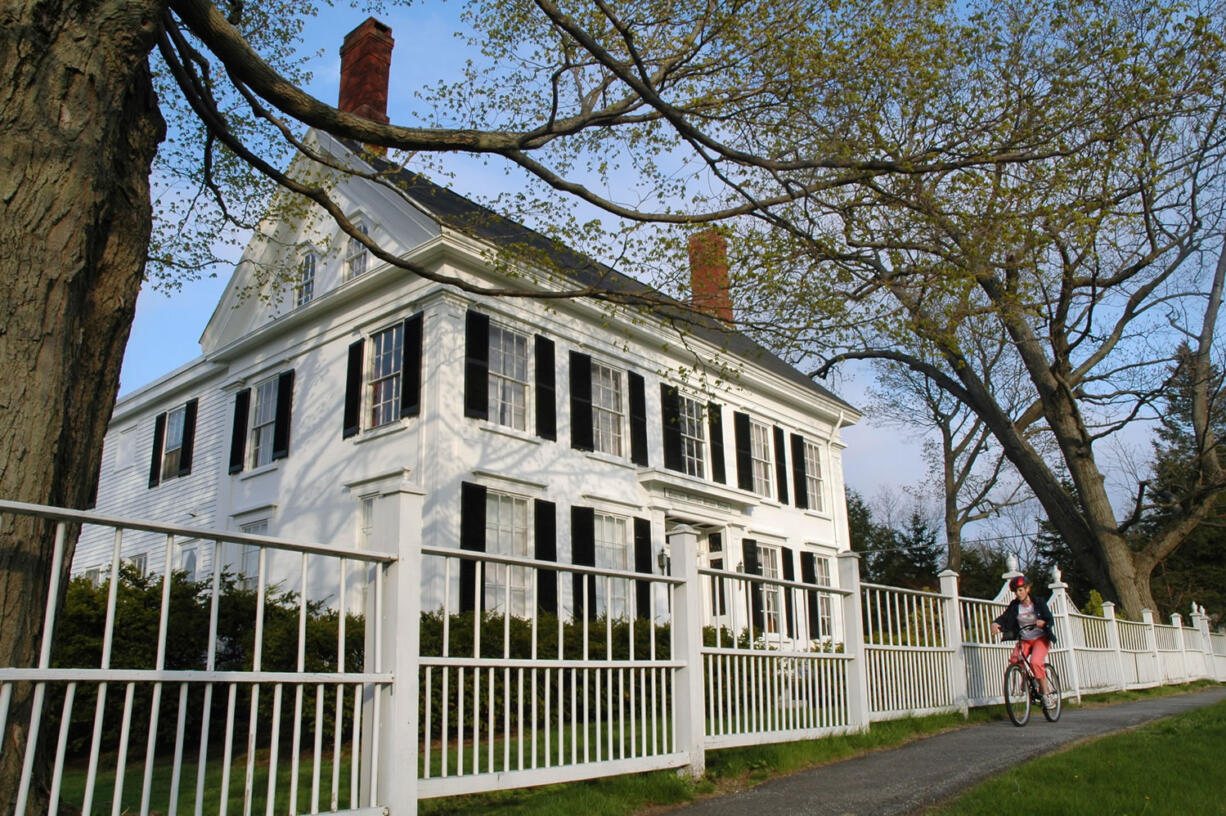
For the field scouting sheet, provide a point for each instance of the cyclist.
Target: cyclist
(1028, 621)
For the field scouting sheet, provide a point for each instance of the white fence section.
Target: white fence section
(253, 691)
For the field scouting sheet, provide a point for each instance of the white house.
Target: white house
(564, 430)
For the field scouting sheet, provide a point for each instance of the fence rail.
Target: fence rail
(505, 670)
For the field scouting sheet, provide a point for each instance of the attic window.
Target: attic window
(356, 254)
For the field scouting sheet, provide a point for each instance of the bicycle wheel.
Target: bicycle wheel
(1017, 695)
(1053, 684)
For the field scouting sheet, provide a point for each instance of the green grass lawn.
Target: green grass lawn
(1170, 767)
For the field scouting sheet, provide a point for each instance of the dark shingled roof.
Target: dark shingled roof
(467, 216)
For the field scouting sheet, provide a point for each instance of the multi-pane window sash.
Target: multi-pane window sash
(263, 421)
(824, 614)
(173, 445)
(772, 596)
(507, 589)
(248, 561)
(813, 476)
(693, 437)
(508, 378)
(386, 363)
(607, 409)
(760, 453)
(306, 279)
(612, 552)
(356, 254)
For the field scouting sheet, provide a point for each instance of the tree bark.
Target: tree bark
(79, 126)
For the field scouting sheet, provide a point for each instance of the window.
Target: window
(173, 445)
(263, 422)
(508, 378)
(248, 562)
(760, 452)
(187, 560)
(173, 436)
(772, 596)
(507, 589)
(366, 522)
(824, 614)
(93, 575)
(356, 253)
(693, 437)
(306, 279)
(612, 552)
(813, 479)
(384, 377)
(139, 562)
(607, 410)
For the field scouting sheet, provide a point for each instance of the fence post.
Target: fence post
(853, 642)
(1113, 640)
(1177, 622)
(1060, 603)
(687, 648)
(953, 633)
(1201, 621)
(1151, 640)
(399, 731)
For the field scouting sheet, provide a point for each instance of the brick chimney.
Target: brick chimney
(366, 61)
(709, 275)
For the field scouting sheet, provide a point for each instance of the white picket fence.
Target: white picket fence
(446, 705)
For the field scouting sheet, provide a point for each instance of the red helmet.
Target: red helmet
(1018, 581)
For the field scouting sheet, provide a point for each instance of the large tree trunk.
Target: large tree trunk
(79, 126)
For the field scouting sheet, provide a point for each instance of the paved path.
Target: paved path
(920, 774)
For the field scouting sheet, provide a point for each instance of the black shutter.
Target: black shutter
(476, 365)
(642, 564)
(353, 391)
(715, 424)
(789, 574)
(638, 419)
(546, 390)
(583, 553)
(744, 451)
(749, 549)
(238, 435)
(800, 481)
(285, 411)
(410, 369)
(545, 548)
(670, 421)
(781, 466)
(808, 574)
(580, 401)
(155, 461)
(472, 537)
(187, 446)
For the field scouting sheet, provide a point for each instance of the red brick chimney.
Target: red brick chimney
(709, 274)
(366, 61)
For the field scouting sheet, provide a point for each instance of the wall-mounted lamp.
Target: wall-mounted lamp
(662, 561)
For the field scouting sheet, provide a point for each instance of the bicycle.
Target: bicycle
(1022, 688)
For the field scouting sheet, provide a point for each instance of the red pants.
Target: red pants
(1036, 652)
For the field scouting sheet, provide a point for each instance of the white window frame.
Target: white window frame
(825, 608)
(357, 256)
(172, 442)
(94, 575)
(608, 409)
(189, 559)
(508, 531)
(612, 546)
(247, 563)
(769, 560)
(761, 456)
(693, 428)
(307, 266)
(263, 422)
(814, 483)
(384, 376)
(139, 562)
(509, 377)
